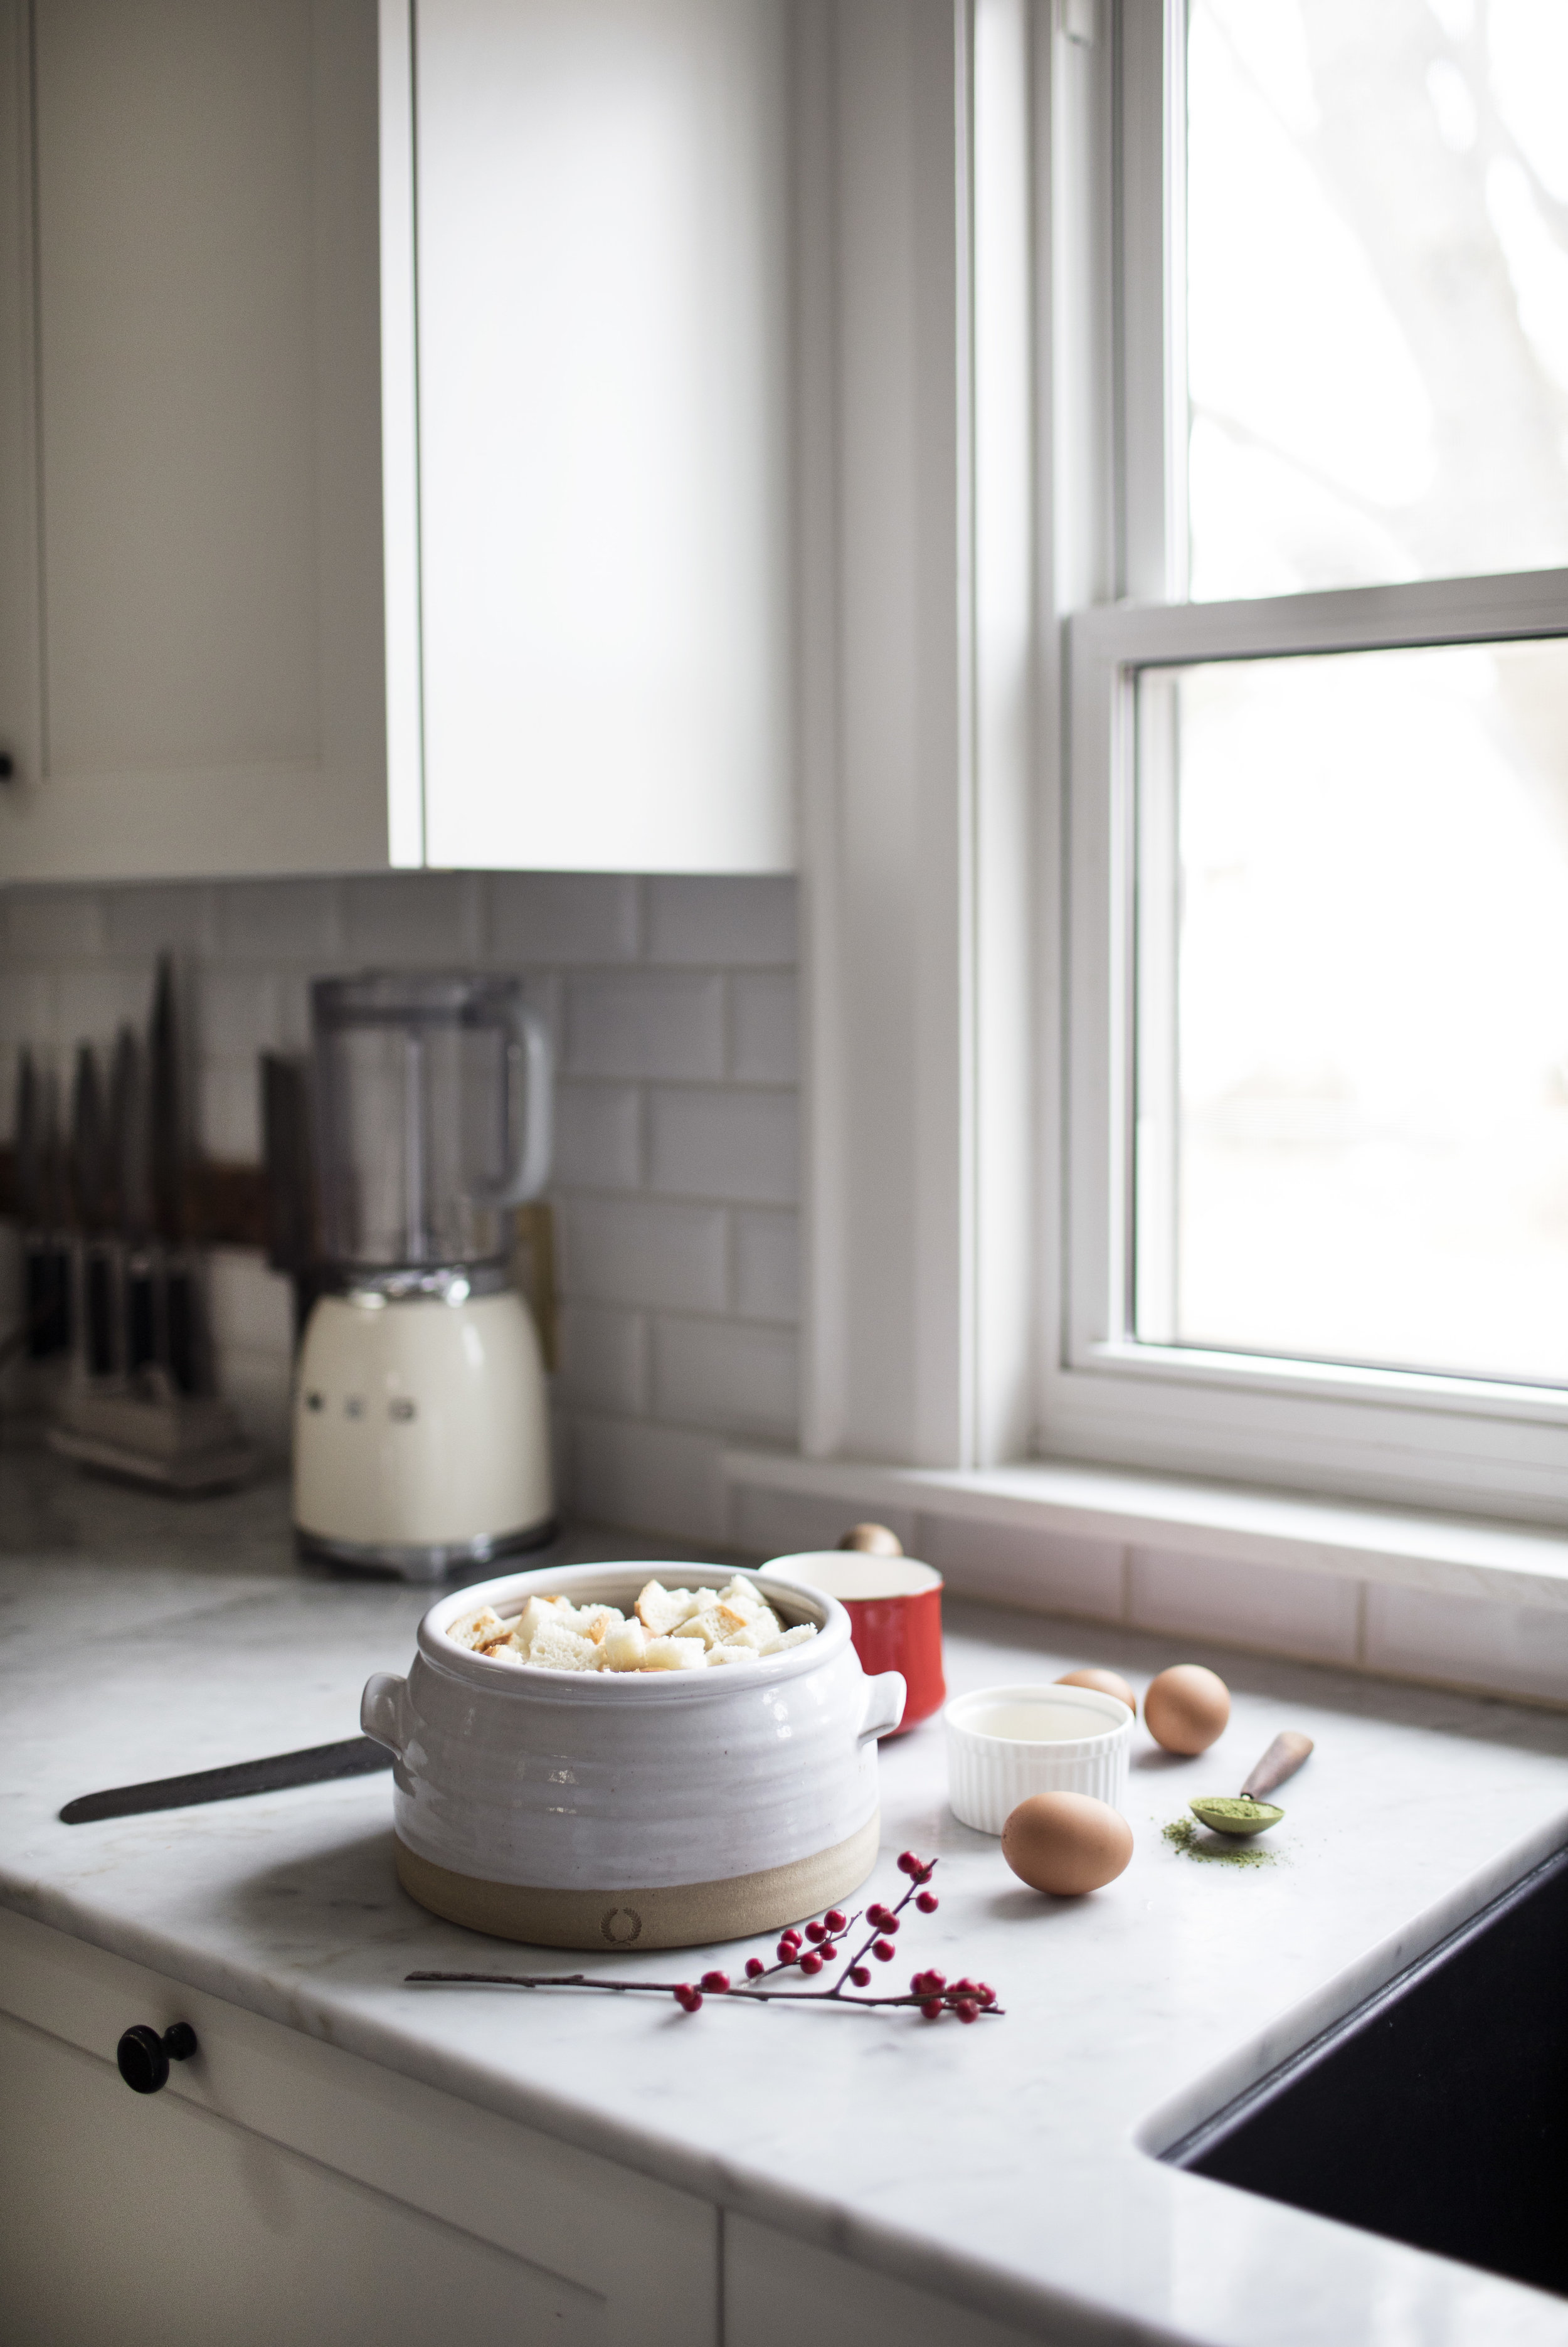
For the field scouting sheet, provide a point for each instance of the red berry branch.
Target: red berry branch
(811, 1953)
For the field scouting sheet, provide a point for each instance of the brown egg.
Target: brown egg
(1066, 1843)
(875, 1540)
(1186, 1707)
(1108, 1683)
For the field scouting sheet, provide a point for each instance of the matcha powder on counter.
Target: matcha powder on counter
(1188, 1839)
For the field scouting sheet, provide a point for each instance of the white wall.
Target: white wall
(673, 1005)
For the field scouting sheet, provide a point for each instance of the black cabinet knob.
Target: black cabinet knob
(144, 2056)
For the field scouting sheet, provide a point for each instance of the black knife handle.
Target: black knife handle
(144, 2056)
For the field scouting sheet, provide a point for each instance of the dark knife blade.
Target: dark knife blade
(358, 1756)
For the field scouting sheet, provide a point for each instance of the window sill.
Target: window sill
(1446, 1599)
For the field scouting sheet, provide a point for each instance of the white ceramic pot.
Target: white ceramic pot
(592, 1809)
(1005, 1743)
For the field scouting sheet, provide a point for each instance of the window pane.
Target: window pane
(1352, 1136)
(1378, 291)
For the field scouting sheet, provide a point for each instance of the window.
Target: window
(1317, 1223)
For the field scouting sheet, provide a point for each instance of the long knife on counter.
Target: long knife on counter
(318, 1764)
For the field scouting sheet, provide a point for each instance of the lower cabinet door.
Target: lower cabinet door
(143, 2221)
(779, 2291)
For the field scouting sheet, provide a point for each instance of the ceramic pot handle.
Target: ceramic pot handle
(384, 1711)
(883, 1705)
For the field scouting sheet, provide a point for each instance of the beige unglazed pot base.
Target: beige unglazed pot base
(690, 1915)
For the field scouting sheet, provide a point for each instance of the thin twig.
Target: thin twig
(668, 1988)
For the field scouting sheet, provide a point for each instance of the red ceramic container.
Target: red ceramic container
(895, 1609)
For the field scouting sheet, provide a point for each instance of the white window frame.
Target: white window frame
(1447, 1441)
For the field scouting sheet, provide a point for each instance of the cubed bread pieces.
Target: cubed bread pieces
(674, 1654)
(623, 1646)
(506, 1653)
(558, 1648)
(797, 1637)
(478, 1629)
(660, 1610)
(741, 1595)
(712, 1624)
(732, 1650)
(593, 1621)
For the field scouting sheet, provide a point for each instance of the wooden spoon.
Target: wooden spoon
(1248, 1815)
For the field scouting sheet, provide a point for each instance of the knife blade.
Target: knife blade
(318, 1764)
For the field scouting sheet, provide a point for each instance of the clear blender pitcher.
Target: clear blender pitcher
(433, 1109)
(421, 1423)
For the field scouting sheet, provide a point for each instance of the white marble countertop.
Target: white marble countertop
(1003, 2163)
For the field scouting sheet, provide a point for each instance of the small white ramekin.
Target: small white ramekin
(994, 1763)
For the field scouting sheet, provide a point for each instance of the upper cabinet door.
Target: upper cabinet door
(191, 675)
(600, 198)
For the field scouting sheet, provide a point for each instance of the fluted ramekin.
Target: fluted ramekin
(994, 1762)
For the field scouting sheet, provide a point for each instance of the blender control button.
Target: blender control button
(402, 1408)
(353, 1406)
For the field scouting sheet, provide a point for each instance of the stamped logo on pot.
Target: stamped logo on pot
(621, 1926)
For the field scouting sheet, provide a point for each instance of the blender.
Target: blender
(421, 1427)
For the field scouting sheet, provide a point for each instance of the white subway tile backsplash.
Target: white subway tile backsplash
(597, 1136)
(647, 1023)
(724, 1143)
(53, 925)
(228, 1113)
(1282, 1611)
(1468, 1642)
(644, 1251)
(1046, 1572)
(721, 921)
(767, 1264)
(762, 1039)
(411, 920)
(736, 1376)
(561, 916)
(279, 921)
(251, 1307)
(657, 1479)
(236, 1013)
(93, 1002)
(144, 922)
(784, 1523)
(604, 1358)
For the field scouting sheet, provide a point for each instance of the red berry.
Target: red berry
(827, 1952)
(689, 1999)
(966, 2009)
(836, 1919)
(884, 1950)
(875, 1912)
(889, 1922)
(792, 1936)
(987, 1995)
(860, 1975)
(715, 1983)
(927, 1903)
(816, 1932)
(936, 1981)
(788, 1951)
(755, 1968)
(927, 1872)
(964, 1987)
(933, 2008)
(908, 1862)
(811, 1962)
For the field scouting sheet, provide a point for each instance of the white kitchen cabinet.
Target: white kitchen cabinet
(393, 436)
(601, 207)
(779, 2290)
(190, 603)
(278, 2188)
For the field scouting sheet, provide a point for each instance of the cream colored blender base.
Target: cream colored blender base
(421, 1433)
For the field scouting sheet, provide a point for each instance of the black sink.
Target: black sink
(1437, 2112)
